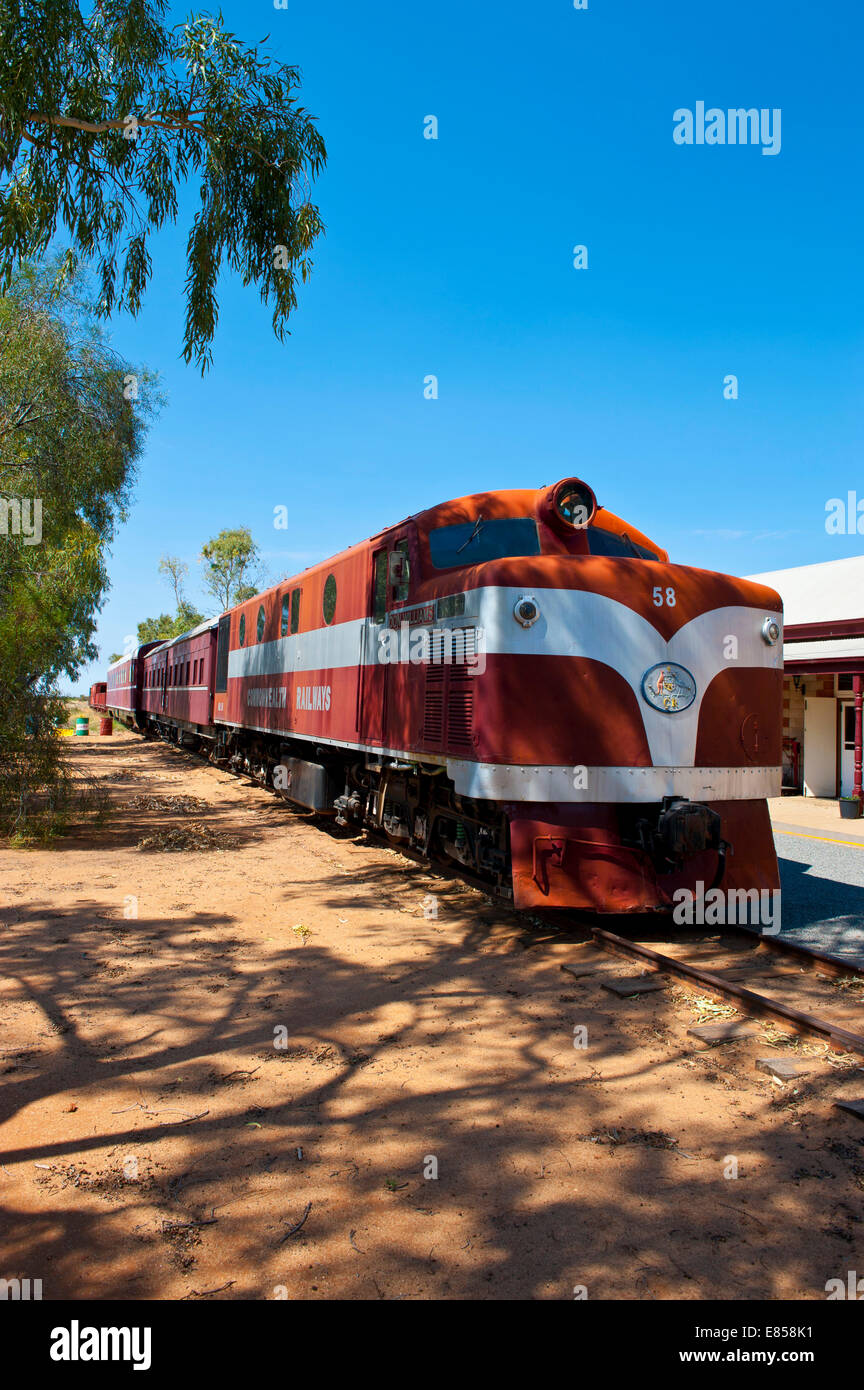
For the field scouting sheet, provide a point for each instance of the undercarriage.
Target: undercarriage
(553, 855)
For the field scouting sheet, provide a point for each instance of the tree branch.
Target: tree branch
(178, 122)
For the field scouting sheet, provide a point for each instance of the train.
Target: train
(517, 682)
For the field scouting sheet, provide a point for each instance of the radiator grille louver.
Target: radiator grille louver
(460, 709)
(448, 713)
(433, 712)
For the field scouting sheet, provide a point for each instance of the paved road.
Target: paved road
(823, 891)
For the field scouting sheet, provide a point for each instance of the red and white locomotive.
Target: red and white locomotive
(519, 681)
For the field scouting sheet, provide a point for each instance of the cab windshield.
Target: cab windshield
(474, 542)
(602, 542)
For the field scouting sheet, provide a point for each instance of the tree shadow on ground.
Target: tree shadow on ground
(187, 1107)
(553, 1171)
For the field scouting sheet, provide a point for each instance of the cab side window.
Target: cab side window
(402, 587)
(379, 595)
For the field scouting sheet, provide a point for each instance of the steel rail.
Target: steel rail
(755, 1003)
(808, 954)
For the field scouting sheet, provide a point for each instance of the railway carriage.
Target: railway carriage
(176, 695)
(523, 683)
(98, 695)
(124, 682)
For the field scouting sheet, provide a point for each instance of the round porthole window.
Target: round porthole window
(329, 599)
(241, 631)
(262, 619)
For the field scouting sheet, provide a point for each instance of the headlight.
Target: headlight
(526, 610)
(567, 506)
(771, 631)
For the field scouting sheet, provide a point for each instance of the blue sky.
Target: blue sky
(454, 257)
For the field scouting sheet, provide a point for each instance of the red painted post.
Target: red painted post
(857, 685)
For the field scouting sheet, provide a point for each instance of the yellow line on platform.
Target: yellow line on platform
(827, 839)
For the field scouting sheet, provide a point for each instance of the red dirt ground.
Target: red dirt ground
(143, 1091)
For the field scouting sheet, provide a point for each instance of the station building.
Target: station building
(823, 662)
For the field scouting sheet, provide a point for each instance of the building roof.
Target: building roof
(833, 591)
(842, 649)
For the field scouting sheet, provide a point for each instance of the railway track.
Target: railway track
(809, 991)
(828, 993)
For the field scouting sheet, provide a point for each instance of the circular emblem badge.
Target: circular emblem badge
(668, 687)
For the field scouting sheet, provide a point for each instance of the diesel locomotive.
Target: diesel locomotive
(518, 681)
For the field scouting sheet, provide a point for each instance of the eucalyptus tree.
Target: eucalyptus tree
(106, 115)
(232, 566)
(70, 438)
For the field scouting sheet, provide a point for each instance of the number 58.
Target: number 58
(660, 599)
